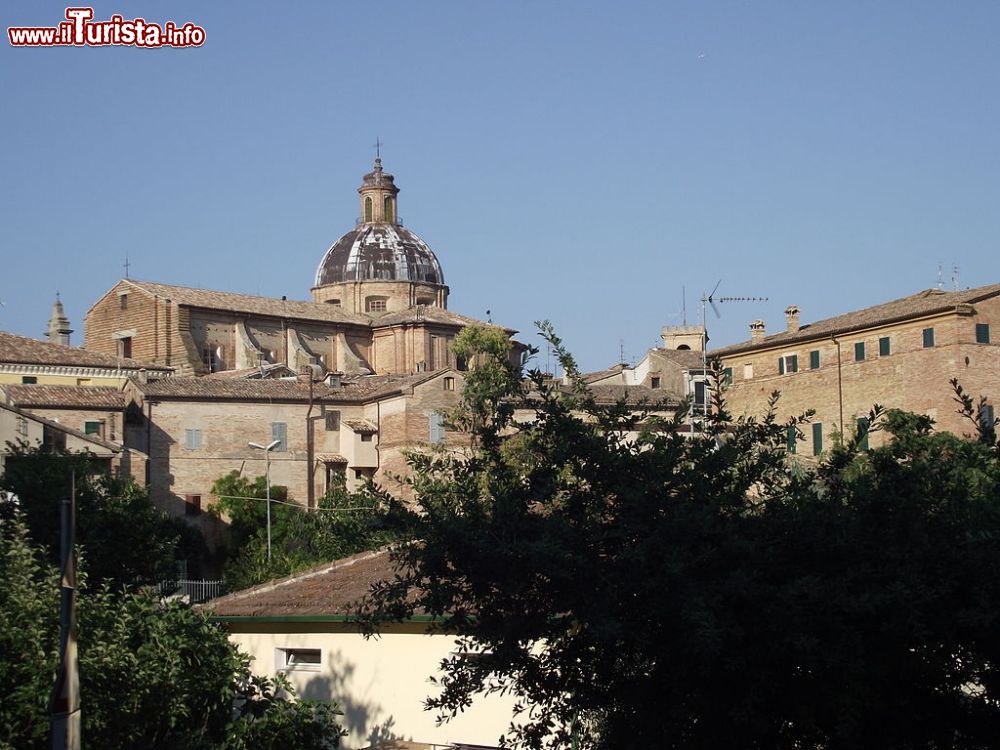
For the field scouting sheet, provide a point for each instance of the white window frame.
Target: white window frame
(192, 438)
(286, 659)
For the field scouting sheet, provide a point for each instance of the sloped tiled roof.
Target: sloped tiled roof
(353, 390)
(98, 441)
(927, 302)
(300, 309)
(329, 589)
(21, 350)
(279, 369)
(361, 426)
(78, 397)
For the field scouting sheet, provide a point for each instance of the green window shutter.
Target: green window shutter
(793, 363)
(817, 439)
(814, 359)
(792, 435)
(884, 346)
(859, 351)
(91, 428)
(863, 432)
(982, 333)
(781, 365)
(928, 338)
(728, 372)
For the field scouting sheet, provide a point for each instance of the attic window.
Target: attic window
(449, 384)
(654, 382)
(123, 301)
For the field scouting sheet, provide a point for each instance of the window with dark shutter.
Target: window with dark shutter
(884, 347)
(332, 421)
(814, 359)
(928, 338)
(859, 351)
(791, 436)
(817, 430)
(863, 433)
(982, 333)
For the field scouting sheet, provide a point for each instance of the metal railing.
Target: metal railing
(193, 591)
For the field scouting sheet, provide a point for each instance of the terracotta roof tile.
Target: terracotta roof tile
(329, 589)
(21, 350)
(361, 389)
(361, 426)
(81, 397)
(927, 302)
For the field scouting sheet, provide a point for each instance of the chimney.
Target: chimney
(792, 318)
(756, 331)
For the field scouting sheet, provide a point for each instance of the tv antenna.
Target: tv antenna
(709, 300)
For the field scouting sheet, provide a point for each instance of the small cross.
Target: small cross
(127, 265)
(378, 148)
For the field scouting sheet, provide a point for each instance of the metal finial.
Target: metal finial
(378, 148)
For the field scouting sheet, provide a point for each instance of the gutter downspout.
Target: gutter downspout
(311, 470)
(840, 388)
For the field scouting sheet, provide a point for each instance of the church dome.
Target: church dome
(379, 250)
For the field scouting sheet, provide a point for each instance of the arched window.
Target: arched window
(388, 208)
(368, 209)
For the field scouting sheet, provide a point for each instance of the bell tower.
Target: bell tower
(59, 329)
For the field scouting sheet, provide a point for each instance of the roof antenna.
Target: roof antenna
(954, 276)
(684, 305)
(127, 265)
(621, 351)
(940, 284)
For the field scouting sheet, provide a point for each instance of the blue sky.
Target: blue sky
(580, 162)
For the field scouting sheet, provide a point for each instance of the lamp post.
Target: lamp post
(267, 482)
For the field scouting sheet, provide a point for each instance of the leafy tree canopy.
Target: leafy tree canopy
(152, 674)
(706, 591)
(342, 524)
(127, 540)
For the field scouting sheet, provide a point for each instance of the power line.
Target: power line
(293, 505)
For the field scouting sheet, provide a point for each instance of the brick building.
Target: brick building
(379, 306)
(898, 354)
(195, 430)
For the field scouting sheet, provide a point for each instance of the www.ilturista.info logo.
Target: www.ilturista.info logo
(80, 30)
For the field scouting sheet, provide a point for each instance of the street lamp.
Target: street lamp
(267, 480)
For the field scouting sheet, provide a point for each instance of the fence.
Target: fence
(193, 591)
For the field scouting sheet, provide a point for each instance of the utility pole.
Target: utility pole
(64, 705)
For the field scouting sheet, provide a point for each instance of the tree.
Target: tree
(152, 674)
(128, 541)
(705, 591)
(342, 524)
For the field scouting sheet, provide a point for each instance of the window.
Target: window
(387, 209)
(279, 432)
(436, 423)
(299, 659)
(654, 382)
(884, 346)
(982, 333)
(123, 301)
(788, 364)
(368, 209)
(29, 379)
(859, 351)
(817, 429)
(727, 376)
(449, 384)
(192, 505)
(84, 381)
(22, 426)
(460, 364)
(334, 302)
(928, 338)
(748, 371)
(332, 421)
(863, 433)
(125, 347)
(366, 437)
(814, 359)
(210, 359)
(375, 304)
(986, 418)
(791, 437)
(93, 428)
(192, 439)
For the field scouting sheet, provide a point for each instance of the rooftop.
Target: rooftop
(927, 302)
(358, 389)
(21, 350)
(330, 589)
(76, 396)
(98, 442)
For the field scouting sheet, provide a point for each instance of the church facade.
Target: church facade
(379, 306)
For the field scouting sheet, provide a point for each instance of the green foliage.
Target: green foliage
(705, 591)
(491, 379)
(342, 524)
(152, 674)
(127, 541)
